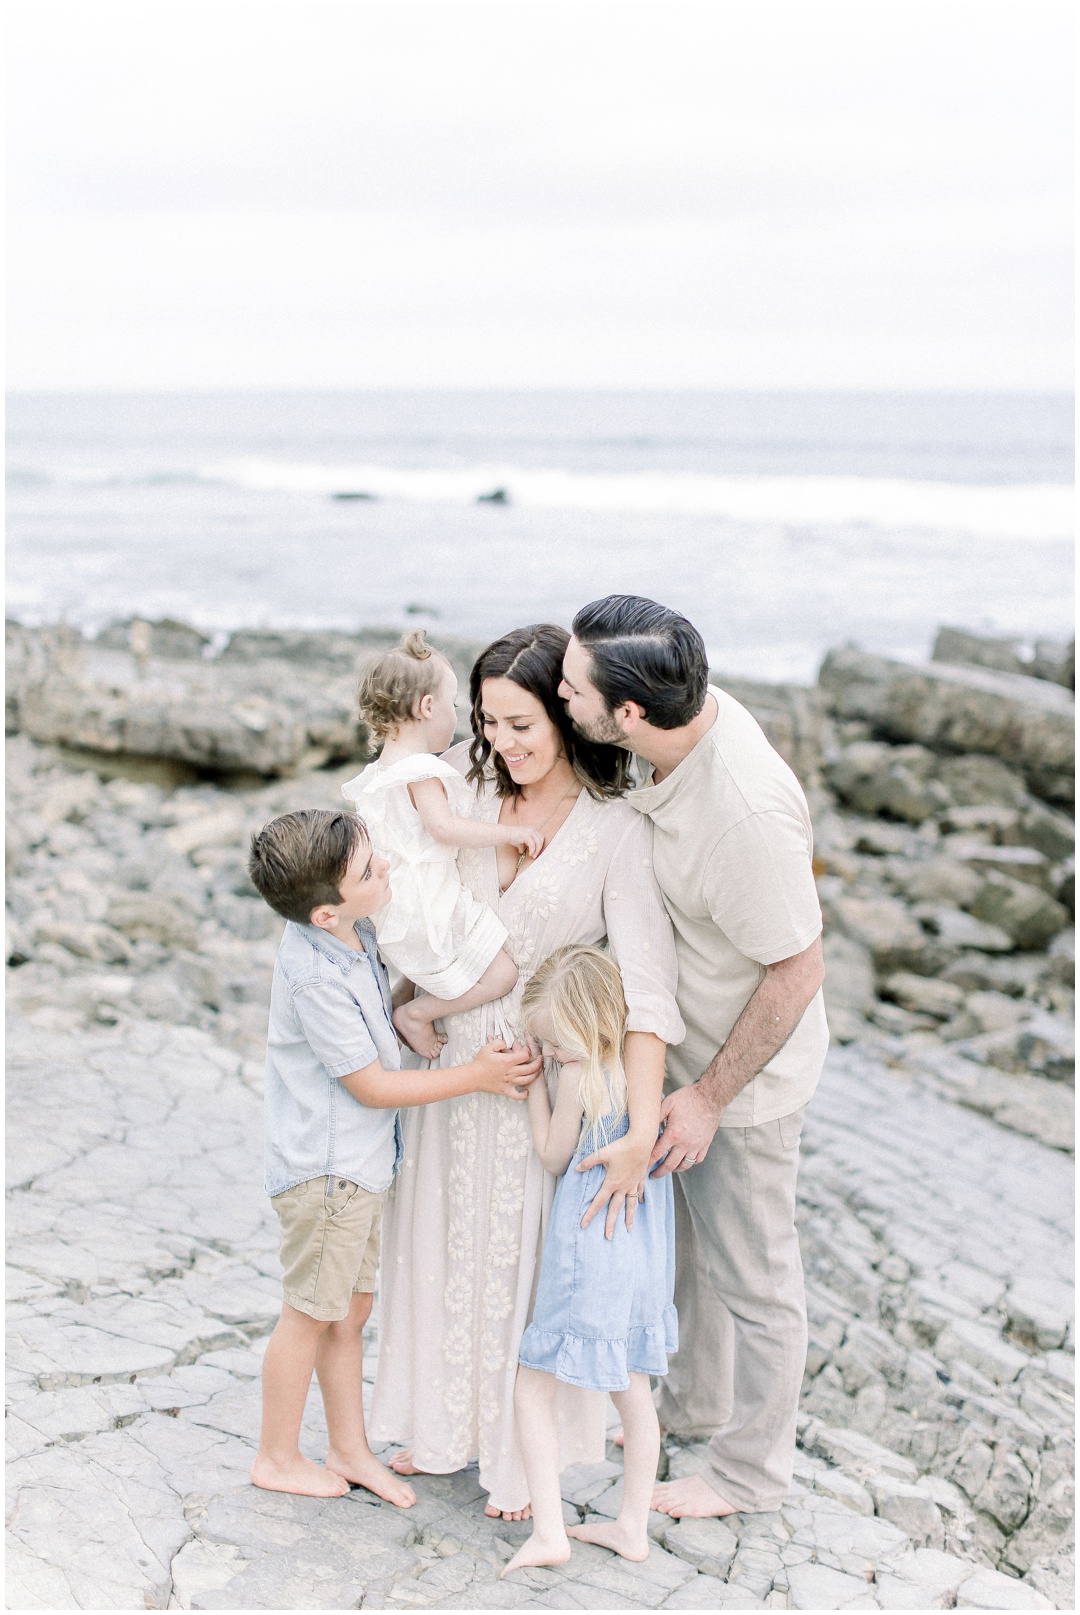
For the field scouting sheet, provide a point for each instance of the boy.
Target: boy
(333, 1144)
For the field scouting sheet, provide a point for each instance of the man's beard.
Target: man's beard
(603, 731)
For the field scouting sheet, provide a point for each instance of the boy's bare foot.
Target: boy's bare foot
(301, 1475)
(610, 1534)
(508, 1514)
(539, 1551)
(367, 1471)
(691, 1498)
(417, 1032)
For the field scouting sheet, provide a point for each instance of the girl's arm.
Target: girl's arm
(556, 1132)
(430, 801)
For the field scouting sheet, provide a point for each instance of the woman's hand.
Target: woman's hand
(688, 1121)
(505, 1071)
(626, 1165)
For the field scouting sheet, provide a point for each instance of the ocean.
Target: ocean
(780, 523)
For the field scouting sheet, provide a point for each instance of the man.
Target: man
(732, 854)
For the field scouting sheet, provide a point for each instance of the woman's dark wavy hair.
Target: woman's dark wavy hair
(532, 658)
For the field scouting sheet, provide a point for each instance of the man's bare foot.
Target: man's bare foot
(508, 1514)
(692, 1498)
(417, 1031)
(540, 1551)
(610, 1534)
(366, 1470)
(300, 1475)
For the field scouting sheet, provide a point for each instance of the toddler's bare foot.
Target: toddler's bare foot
(540, 1551)
(610, 1534)
(691, 1498)
(300, 1475)
(402, 1463)
(418, 1032)
(366, 1470)
(508, 1514)
(616, 1436)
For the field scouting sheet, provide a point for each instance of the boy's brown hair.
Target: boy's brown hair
(394, 682)
(297, 861)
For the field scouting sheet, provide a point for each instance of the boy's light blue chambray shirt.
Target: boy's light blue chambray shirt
(329, 1015)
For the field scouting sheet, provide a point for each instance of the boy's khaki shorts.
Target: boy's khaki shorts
(329, 1245)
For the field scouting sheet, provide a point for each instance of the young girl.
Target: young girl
(604, 1315)
(433, 930)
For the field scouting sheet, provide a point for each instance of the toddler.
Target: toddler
(434, 931)
(604, 1316)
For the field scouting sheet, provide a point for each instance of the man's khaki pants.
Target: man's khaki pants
(742, 1311)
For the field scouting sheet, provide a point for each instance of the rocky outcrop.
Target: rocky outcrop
(1023, 722)
(1047, 659)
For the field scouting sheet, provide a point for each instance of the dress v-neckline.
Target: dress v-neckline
(521, 872)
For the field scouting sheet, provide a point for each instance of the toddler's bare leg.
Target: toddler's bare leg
(286, 1376)
(534, 1404)
(629, 1534)
(339, 1364)
(414, 1020)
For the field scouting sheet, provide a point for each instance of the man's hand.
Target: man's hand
(626, 1164)
(504, 1070)
(689, 1121)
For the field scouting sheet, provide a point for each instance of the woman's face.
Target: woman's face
(517, 727)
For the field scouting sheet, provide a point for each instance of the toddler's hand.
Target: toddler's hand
(506, 1071)
(530, 841)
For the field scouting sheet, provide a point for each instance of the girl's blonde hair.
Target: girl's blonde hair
(394, 682)
(582, 991)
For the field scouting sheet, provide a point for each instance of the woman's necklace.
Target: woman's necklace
(523, 854)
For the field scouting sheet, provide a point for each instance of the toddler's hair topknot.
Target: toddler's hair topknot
(392, 684)
(582, 991)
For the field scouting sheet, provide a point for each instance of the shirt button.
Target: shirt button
(342, 1184)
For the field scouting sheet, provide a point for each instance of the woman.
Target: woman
(463, 1227)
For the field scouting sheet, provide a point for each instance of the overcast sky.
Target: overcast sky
(747, 194)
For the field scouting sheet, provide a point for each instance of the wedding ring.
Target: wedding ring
(689, 1160)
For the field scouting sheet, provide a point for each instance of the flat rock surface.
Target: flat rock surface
(144, 1283)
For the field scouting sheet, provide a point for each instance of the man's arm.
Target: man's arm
(692, 1114)
(495, 1069)
(627, 1160)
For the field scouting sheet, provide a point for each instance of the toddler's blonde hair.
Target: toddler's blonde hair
(392, 684)
(582, 991)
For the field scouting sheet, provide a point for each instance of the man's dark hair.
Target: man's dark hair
(645, 653)
(297, 861)
(532, 659)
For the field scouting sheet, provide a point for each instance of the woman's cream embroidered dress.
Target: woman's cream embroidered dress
(464, 1221)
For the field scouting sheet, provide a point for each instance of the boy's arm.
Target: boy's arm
(564, 1122)
(495, 1069)
(445, 827)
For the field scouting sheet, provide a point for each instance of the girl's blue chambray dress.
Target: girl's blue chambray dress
(605, 1308)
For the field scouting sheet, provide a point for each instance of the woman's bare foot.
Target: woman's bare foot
(539, 1550)
(418, 1032)
(610, 1534)
(300, 1475)
(508, 1514)
(402, 1463)
(691, 1498)
(366, 1470)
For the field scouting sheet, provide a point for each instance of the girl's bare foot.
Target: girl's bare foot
(616, 1436)
(300, 1475)
(366, 1470)
(691, 1498)
(508, 1514)
(540, 1551)
(610, 1534)
(418, 1032)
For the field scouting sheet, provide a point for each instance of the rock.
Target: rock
(849, 974)
(1048, 1528)
(883, 926)
(703, 1592)
(160, 919)
(876, 778)
(1006, 1493)
(1048, 831)
(708, 1545)
(1022, 863)
(911, 1508)
(815, 1586)
(580, 1483)
(1055, 1578)
(165, 638)
(856, 1454)
(886, 840)
(982, 1346)
(1026, 723)
(940, 880)
(995, 824)
(1016, 976)
(977, 781)
(955, 929)
(1029, 916)
(924, 995)
(835, 1484)
(994, 1012)
(1055, 661)
(928, 1580)
(1040, 1310)
(989, 1589)
(958, 646)
(214, 829)
(1042, 1043)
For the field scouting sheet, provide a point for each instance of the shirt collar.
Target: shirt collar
(648, 796)
(339, 952)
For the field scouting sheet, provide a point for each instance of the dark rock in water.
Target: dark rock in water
(351, 495)
(170, 640)
(413, 609)
(497, 496)
(1026, 722)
